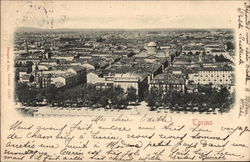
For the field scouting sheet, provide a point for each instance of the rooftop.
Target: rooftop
(77, 68)
(166, 78)
(152, 44)
(64, 75)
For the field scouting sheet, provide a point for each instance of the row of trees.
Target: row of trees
(207, 99)
(78, 96)
(87, 95)
(221, 58)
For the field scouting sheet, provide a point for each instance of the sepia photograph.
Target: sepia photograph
(61, 72)
(125, 80)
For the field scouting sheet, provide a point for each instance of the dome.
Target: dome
(152, 44)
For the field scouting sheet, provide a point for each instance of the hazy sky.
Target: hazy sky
(121, 14)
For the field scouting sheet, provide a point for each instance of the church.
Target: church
(152, 52)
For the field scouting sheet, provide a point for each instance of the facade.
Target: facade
(94, 78)
(123, 80)
(127, 80)
(216, 76)
(194, 49)
(24, 77)
(43, 80)
(169, 82)
(43, 77)
(67, 79)
(70, 78)
(59, 81)
(80, 74)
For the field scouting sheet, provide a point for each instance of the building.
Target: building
(51, 62)
(66, 79)
(128, 80)
(43, 80)
(24, 77)
(73, 76)
(25, 60)
(93, 77)
(123, 80)
(217, 76)
(152, 52)
(80, 74)
(152, 47)
(193, 49)
(62, 76)
(169, 82)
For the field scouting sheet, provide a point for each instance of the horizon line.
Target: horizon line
(153, 28)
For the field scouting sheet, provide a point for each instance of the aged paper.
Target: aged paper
(125, 81)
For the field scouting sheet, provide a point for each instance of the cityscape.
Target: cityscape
(62, 72)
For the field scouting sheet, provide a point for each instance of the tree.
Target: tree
(40, 96)
(223, 95)
(130, 54)
(103, 100)
(197, 52)
(29, 70)
(29, 63)
(59, 98)
(32, 78)
(166, 99)
(25, 94)
(151, 98)
(221, 58)
(115, 94)
(96, 65)
(121, 101)
(131, 94)
(51, 92)
(230, 45)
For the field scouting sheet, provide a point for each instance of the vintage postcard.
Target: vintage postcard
(125, 80)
